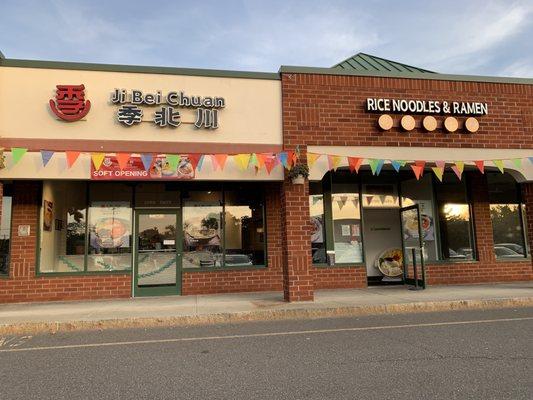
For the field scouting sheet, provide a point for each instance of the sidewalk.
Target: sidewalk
(204, 309)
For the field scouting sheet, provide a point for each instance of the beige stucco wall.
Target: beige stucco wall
(252, 113)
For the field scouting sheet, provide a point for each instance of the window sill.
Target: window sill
(82, 273)
(4, 276)
(222, 269)
(438, 262)
(347, 265)
(514, 259)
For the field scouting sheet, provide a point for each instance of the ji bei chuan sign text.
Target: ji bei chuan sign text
(167, 115)
(426, 106)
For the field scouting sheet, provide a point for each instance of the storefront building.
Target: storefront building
(121, 181)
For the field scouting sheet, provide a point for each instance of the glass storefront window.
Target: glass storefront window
(454, 219)
(244, 231)
(63, 226)
(346, 223)
(5, 228)
(110, 227)
(318, 232)
(505, 214)
(202, 229)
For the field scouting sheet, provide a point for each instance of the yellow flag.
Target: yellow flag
(242, 161)
(439, 172)
(499, 164)
(97, 158)
(460, 166)
(311, 159)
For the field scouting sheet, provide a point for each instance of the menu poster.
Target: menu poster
(110, 224)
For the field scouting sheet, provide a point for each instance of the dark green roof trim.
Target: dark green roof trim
(368, 62)
(287, 69)
(137, 69)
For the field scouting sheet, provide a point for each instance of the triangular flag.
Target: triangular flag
(253, 160)
(200, 163)
(354, 163)
(173, 160)
(194, 159)
(311, 159)
(417, 170)
(422, 165)
(396, 165)
(498, 164)
(517, 162)
(214, 162)
(147, 161)
(369, 199)
(530, 159)
(242, 161)
(439, 172)
(97, 158)
(382, 198)
(261, 157)
(480, 164)
(221, 160)
(17, 153)
(282, 157)
(334, 161)
(457, 171)
(291, 159)
(270, 162)
(460, 166)
(375, 165)
(122, 159)
(441, 164)
(46, 155)
(72, 156)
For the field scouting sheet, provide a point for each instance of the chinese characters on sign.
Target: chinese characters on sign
(70, 104)
(168, 115)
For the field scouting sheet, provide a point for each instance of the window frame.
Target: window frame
(7, 274)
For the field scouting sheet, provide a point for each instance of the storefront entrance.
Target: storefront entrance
(414, 272)
(157, 252)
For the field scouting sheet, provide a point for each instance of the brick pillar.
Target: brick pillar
(26, 202)
(298, 282)
(527, 198)
(484, 239)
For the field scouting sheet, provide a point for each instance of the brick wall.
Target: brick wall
(328, 110)
(23, 284)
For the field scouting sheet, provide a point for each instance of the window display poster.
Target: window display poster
(317, 235)
(48, 215)
(110, 224)
(345, 230)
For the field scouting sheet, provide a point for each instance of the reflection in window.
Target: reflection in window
(505, 214)
(318, 232)
(63, 226)
(454, 219)
(202, 233)
(346, 223)
(244, 236)
(5, 228)
(110, 227)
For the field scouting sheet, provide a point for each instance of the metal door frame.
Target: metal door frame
(163, 290)
(420, 271)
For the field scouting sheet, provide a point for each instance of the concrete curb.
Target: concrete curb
(263, 315)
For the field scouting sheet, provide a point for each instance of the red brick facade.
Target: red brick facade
(328, 110)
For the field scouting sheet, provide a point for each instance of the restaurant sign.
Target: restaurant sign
(136, 168)
(168, 114)
(426, 106)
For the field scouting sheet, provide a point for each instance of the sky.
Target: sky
(458, 37)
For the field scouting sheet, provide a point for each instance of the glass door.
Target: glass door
(157, 253)
(414, 272)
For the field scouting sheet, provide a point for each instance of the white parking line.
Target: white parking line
(267, 334)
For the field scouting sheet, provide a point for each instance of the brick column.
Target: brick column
(25, 211)
(527, 198)
(297, 277)
(479, 193)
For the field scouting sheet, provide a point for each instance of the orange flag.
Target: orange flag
(270, 162)
(221, 160)
(194, 159)
(480, 165)
(417, 170)
(72, 156)
(123, 159)
(354, 163)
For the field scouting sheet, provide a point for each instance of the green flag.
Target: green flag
(17, 153)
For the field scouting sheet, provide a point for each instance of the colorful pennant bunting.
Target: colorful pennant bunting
(517, 162)
(498, 164)
(147, 161)
(17, 153)
(439, 172)
(312, 158)
(480, 164)
(173, 160)
(397, 164)
(354, 163)
(122, 159)
(417, 170)
(200, 163)
(282, 157)
(221, 160)
(333, 162)
(97, 159)
(376, 165)
(194, 159)
(242, 161)
(46, 155)
(72, 157)
(270, 163)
